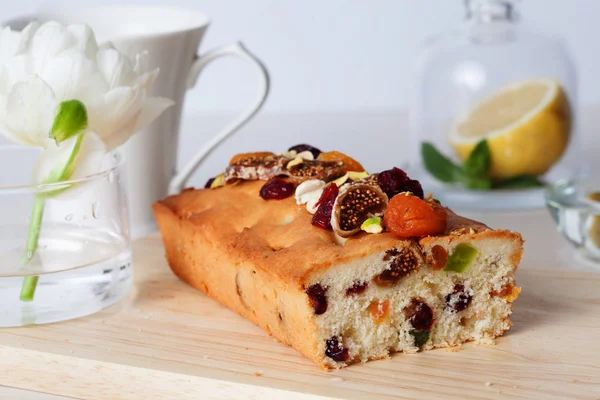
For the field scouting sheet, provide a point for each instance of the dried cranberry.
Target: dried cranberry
(322, 217)
(357, 288)
(276, 189)
(394, 181)
(317, 298)
(299, 148)
(208, 183)
(459, 299)
(420, 315)
(336, 351)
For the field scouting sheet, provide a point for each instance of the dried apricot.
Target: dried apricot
(407, 216)
(259, 154)
(379, 311)
(350, 163)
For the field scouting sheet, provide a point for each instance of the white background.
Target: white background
(332, 55)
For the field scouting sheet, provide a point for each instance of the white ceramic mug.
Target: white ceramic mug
(172, 37)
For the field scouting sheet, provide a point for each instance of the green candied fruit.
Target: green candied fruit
(372, 225)
(461, 258)
(421, 337)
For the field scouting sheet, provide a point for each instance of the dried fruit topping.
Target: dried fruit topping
(357, 288)
(403, 263)
(215, 182)
(356, 203)
(459, 299)
(318, 298)
(439, 257)
(372, 225)
(336, 351)
(407, 216)
(379, 311)
(350, 163)
(254, 168)
(251, 157)
(299, 148)
(420, 315)
(322, 217)
(395, 180)
(314, 169)
(421, 337)
(277, 189)
(461, 258)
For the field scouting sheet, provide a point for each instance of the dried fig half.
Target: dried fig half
(356, 203)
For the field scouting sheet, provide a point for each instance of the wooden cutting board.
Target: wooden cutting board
(167, 340)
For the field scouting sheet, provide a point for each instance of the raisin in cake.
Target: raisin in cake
(324, 281)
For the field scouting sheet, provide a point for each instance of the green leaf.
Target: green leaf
(479, 161)
(70, 119)
(461, 258)
(439, 165)
(421, 337)
(478, 183)
(518, 182)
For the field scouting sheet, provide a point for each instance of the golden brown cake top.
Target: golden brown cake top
(277, 235)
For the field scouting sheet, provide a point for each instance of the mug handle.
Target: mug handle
(237, 50)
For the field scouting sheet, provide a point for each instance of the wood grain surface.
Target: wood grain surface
(167, 340)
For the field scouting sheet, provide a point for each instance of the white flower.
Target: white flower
(45, 65)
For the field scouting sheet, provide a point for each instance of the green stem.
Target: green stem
(35, 225)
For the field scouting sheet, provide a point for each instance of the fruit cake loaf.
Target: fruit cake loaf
(398, 272)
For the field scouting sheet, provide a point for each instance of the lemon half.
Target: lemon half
(527, 125)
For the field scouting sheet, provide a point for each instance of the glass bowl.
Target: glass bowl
(82, 263)
(490, 53)
(575, 207)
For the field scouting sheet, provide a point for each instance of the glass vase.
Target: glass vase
(490, 80)
(81, 260)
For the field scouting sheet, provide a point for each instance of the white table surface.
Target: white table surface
(361, 134)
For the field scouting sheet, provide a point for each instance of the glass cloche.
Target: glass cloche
(493, 113)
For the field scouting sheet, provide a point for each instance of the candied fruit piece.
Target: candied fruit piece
(509, 292)
(420, 315)
(299, 148)
(322, 217)
(318, 298)
(336, 351)
(357, 288)
(459, 299)
(394, 181)
(461, 258)
(439, 257)
(209, 183)
(247, 156)
(403, 264)
(407, 216)
(350, 163)
(379, 311)
(421, 337)
(277, 189)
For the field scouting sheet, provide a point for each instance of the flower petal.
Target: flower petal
(85, 39)
(115, 68)
(50, 39)
(29, 112)
(73, 76)
(114, 112)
